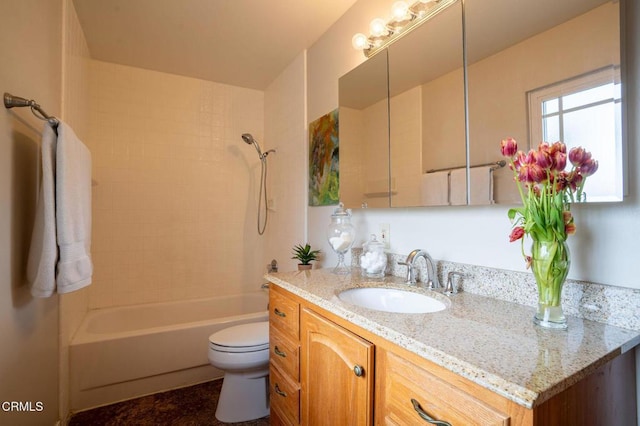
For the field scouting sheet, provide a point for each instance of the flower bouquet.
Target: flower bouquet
(547, 191)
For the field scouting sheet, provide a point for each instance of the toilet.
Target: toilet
(242, 352)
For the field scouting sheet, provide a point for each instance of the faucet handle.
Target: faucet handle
(450, 287)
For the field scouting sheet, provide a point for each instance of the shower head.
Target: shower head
(248, 139)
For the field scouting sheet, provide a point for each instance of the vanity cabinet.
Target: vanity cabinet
(334, 372)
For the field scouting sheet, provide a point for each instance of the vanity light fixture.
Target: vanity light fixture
(404, 18)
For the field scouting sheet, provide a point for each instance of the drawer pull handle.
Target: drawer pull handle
(425, 416)
(279, 313)
(277, 390)
(279, 352)
(358, 371)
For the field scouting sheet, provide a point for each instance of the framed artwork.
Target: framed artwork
(324, 160)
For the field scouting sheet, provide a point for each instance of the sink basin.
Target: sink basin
(391, 300)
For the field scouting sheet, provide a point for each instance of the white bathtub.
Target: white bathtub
(124, 352)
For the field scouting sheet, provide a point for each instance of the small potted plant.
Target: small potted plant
(305, 255)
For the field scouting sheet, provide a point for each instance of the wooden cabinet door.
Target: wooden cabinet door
(337, 374)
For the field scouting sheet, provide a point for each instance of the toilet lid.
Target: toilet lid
(241, 338)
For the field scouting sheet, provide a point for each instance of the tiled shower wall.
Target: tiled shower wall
(175, 189)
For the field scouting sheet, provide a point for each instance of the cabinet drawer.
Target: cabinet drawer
(284, 395)
(400, 381)
(284, 314)
(284, 353)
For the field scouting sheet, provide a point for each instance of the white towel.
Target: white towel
(458, 187)
(61, 240)
(43, 253)
(435, 189)
(481, 185)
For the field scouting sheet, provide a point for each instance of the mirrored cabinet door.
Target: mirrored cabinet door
(427, 131)
(545, 70)
(364, 135)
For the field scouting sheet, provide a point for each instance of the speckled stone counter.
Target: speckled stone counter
(491, 342)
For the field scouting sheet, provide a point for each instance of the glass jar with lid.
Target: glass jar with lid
(373, 260)
(341, 234)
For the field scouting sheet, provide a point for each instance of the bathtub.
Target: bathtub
(125, 352)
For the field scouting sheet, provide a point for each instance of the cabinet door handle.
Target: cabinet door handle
(425, 416)
(279, 352)
(358, 371)
(277, 390)
(279, 313)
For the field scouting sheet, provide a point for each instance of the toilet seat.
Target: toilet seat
(250, 337)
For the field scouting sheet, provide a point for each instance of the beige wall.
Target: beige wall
(286, 131)
(30, 49)
(176, 188)
(75, 112)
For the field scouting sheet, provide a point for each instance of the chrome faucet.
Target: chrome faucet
(432, 273)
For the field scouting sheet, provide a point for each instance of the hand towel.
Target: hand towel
(73, 211)
(458, 187)
(59, 256)
(435, 188)
(481, 185)
(43, 252)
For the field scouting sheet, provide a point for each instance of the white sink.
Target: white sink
(391, 300)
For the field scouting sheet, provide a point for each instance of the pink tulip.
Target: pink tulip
(559, 161)
(589, 167)
(579, 156)
(508, 147)
(516, 234)
(531, 173)
(543, 159)
(558, 147)
(574, 179)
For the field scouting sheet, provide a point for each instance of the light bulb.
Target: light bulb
(399, 10)
(378, 27)
(360, 41)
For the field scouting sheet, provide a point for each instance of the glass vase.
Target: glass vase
(550, 265)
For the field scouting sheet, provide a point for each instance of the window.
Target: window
(584, 111)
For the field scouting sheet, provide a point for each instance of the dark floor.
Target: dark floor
(191, 406)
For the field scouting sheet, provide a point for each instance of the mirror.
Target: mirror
(364, 135)
(536, 70)
(545, 70)
(427, 127)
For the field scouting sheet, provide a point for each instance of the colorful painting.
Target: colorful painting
(324, 160)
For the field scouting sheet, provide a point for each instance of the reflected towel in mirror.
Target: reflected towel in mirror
(435, 188)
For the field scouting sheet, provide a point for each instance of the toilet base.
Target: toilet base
(244, 397)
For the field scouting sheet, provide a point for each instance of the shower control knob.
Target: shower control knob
(358, 371)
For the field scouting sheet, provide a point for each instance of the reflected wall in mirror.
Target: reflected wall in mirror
(545, 70)
(427, 129)
(364, 135)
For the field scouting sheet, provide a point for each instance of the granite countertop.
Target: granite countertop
(488, 341)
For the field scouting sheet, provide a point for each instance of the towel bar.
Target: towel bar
(11, 101)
